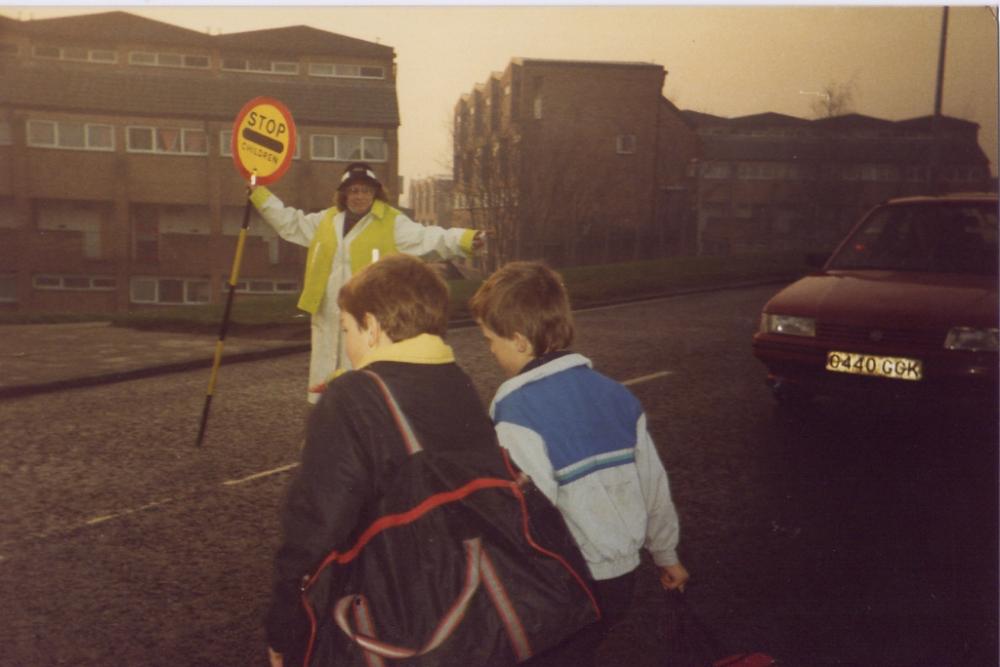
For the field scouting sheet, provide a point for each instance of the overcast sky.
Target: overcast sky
(728, 61)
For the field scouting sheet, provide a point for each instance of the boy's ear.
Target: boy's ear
(522, 344)
(371, 327)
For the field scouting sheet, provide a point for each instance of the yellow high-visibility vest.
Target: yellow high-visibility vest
(379, 233)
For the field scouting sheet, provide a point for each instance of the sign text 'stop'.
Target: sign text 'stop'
(263, 140)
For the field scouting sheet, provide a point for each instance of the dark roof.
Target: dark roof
(829, 149)
(583, 63)
(925, 123)
(118, 26)
(851, 121)
(768, 119)
(700, 119)
(114, 26)
(152, 93)
(303, 40)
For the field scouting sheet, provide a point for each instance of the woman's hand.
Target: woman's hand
(275, 659)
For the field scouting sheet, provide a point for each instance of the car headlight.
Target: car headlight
(789, 325)
(970, 338)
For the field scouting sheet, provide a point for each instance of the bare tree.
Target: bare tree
(834, 99)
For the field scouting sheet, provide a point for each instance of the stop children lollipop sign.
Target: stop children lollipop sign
(263, 140)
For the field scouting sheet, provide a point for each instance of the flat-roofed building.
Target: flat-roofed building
(117, 184)
(574, 162)
(771, 181)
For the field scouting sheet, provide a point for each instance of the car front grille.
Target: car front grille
(841, 333)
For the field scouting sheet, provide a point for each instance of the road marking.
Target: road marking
(265, 473)
(107, 517)
(103, 518)
(647, 378)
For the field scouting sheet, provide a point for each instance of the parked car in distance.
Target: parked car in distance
(905, 307)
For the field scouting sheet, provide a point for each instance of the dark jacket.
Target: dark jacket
(352, 448)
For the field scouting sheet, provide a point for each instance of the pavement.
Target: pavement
(44, 358)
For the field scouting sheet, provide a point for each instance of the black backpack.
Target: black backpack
(466, 562)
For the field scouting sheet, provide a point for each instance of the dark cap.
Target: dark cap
(358, 171)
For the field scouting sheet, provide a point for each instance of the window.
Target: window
(9, 50)
(179, 219)
(262, 286)
(5, 134)
(145, 234)
(70, 282)
(8, 214)
(47, 52)
(259, 66)
(536, 107)
(103, 56)
(75, 53)
(169, 60)
(86, 218)
(141, 58)
(346, 71)
(140, 139)
(170, 140)
(225, 143)
(715, 170)
(70, 135)
(347, 148)
(323, 147)
(373, 149)
(232, 223)
(169, 291)
(625, 144)
(152, 59)
(8, 287)
(195, 61)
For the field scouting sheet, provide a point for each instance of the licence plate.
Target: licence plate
(897, 368)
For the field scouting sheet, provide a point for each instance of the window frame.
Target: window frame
(156, 144)
(188, 285)
(62, 50)
(625, 144)
(314, 69)
(60, 282)
(56, 124)
(226, 65)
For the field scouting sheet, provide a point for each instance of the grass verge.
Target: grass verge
(588, 286)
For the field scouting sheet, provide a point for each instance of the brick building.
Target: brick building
(575, 162)
(431, 200)
(771, 181)
(117, 186)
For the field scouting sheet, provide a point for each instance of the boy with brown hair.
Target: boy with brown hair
(581, 437)
(404, 500)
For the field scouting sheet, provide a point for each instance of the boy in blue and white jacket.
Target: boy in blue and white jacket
(581, 437)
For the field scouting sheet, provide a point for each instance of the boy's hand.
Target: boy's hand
(674, 577)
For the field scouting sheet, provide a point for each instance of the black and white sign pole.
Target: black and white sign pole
(233, 276)
(262, 144)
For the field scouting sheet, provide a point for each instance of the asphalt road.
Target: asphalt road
(843, 535)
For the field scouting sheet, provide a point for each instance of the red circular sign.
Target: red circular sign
(263, 140)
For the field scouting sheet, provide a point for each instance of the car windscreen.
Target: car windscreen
(942, 237)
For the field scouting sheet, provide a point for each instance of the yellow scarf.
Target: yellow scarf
(422, 349)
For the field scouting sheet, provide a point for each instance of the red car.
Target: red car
(906, 306)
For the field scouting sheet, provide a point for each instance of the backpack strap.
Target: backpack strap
(444, 628)
(409, 437)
